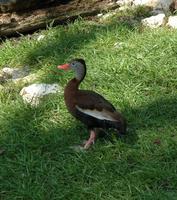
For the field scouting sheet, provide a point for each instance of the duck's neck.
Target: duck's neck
(80, 73)
(72, 86)
(70, 93)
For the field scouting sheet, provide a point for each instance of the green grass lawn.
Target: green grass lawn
(139, 77)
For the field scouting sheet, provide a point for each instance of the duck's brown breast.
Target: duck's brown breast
(70, 95)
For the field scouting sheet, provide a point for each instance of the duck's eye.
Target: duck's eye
(73, 64)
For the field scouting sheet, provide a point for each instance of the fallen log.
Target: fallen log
(19, 23)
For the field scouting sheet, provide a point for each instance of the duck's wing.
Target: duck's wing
(93, 104)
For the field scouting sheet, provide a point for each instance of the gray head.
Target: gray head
(78, 66)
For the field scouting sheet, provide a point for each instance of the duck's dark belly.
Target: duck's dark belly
(92, 122)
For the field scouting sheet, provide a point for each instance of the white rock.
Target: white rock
(124, 2)
(100, 15)
(34, 92)
(40, 37)
(141, 2)
(154, 21)
(172, 22)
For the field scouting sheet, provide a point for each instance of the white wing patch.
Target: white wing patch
(103, 115)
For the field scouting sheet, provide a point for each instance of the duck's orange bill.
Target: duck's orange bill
(64, 67)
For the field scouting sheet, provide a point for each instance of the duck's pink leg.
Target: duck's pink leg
(91, 139)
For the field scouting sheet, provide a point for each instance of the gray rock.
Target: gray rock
(163, 5)
(15, 73)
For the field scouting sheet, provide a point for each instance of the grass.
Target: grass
(138, 77)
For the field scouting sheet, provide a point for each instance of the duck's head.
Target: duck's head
(78, 66)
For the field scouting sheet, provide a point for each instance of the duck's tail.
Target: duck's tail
(121, 123)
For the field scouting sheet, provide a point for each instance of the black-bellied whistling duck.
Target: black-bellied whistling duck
(89, 107)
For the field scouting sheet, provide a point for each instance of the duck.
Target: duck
(89, 107)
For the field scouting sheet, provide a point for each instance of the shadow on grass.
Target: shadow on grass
(158, 116)
(26, 126)
(29, 123)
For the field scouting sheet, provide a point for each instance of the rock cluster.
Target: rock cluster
(155, 4)
(160, 20)
(160, 10)
(33, 92)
